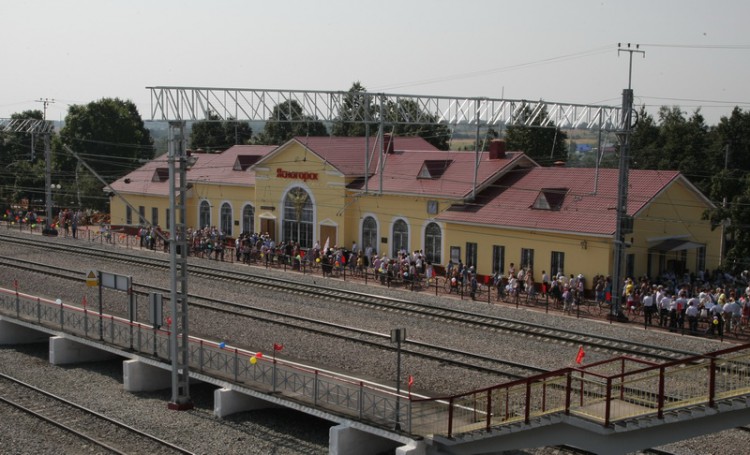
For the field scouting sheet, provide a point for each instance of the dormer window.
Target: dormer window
(161, 174)
(244, 161)
(433, 169)
(550, 198)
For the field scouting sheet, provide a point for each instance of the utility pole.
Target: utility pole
(179, 347)
(47, 165)
(46, 102)
(624, 221)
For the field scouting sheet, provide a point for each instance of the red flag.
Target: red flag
(411, 380)
(278, 347)
(581, 355)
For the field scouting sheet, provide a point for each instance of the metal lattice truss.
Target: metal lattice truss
(196, 103)
(34, 126)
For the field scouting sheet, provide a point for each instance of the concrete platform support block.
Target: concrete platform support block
(11, 333)
(63, 351)
(413, 448)
(227, 402)
(138, 376)
(345, 440)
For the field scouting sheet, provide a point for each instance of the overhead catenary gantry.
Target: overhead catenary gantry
(178, 105)
(26, 125)
(196, 103)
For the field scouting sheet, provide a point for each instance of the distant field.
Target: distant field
(462, 144)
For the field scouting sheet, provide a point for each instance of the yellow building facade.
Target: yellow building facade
(488, 210)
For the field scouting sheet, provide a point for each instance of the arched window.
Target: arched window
(204, 215)
(433, 239)
(226, 219)
(248, 219)
(400, 237)
(370, 233)
(298, 218)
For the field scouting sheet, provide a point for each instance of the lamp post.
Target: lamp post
(398, 336)
(53, 188)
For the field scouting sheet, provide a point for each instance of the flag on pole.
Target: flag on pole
(411, 380)
(278, 347)
(581, 355)
(327, 245)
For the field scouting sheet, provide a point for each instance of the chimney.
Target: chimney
(388, 143)
(497, 149)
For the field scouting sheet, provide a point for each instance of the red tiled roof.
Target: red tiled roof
(218, 168)
(509, 201)
(401, 172)
(211, 168)
(141, 180)
(347, 154)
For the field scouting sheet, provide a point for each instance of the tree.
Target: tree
(727, 163)
(644, 142)
(545, 145)
(110, 135)
(21, 176)
(216, 134)
(436, 134)
(287, 121)
(355, 106)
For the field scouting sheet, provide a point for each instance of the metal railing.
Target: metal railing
(365, 401)
(605, 392)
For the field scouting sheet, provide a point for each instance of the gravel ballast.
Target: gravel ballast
(268, 431)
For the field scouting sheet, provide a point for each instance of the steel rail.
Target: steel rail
(55, 414)
(457, 316)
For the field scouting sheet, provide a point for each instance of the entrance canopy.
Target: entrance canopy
(675, 245)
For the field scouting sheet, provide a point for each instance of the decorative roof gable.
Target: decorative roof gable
(550, 198)
(433, 169)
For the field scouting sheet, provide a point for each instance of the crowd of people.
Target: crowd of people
(718, 300)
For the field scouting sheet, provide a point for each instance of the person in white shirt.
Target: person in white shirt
(545, 283)
(681, 304)
(664, 304)
(731, 313)
(692, 316)
(648, 308)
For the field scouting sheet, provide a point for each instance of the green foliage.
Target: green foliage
(355, 106)
(214, 134)
(728, 162)
(109, 134)
(436, 134)
(287, 121)
(545, 145)
(19, 174)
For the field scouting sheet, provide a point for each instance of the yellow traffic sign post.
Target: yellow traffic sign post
(92, 278)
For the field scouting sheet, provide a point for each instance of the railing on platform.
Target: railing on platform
(604, 392)
(318, 388)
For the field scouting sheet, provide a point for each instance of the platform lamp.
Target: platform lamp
(398, 336)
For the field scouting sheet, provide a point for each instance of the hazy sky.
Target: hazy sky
(697, 53)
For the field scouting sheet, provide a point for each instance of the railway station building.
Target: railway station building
(488, 210)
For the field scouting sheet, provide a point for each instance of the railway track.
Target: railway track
(92, 428)
(378, 302)
(324, 328)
